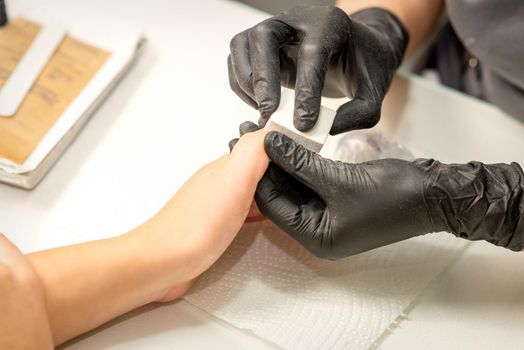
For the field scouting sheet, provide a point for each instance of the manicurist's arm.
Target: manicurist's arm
(419, 17)
(88, 284)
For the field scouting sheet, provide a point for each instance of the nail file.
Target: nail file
(282, 121)
(28, 69)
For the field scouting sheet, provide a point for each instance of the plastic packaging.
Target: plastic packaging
(363, 145)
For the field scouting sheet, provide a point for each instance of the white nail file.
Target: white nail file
(28, 69)
(282, 121)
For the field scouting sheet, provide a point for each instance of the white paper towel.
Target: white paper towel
(267, 283)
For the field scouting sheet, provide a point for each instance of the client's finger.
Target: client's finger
(248, 161)
(244, 128)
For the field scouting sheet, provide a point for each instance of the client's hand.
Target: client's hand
(23, 316)
(200, 221)
(90, 283)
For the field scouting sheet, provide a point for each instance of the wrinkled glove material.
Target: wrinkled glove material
(477, 201)
(319, 50)
(337, 209)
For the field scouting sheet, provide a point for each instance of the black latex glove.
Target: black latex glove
(244, 128)
(337, 209)
(316, 49)
(3, 14)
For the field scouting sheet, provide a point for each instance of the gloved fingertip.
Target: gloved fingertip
(232, 144)
(277, 145)
(262, 121)
(267, 103)
(307, 107)
(266, 112)
(247, 127)
(345, 119)
(304, 124)
(356, 114)
(273, 139)
(336, 130)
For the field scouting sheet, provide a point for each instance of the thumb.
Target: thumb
(359, 113)
(248, 161)
(304, 165)
(293, 207)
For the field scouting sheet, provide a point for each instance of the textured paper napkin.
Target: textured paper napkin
(268, 284)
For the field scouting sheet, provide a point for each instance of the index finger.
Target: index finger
(265, 40)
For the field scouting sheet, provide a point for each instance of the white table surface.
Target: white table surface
(174, 112)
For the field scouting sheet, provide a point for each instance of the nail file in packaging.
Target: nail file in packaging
(28, 69)
(282, 121)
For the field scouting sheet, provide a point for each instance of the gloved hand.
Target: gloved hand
(319, 49)
(337, 209)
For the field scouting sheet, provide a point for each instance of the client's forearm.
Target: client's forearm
(419, 17)
(89, 284)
